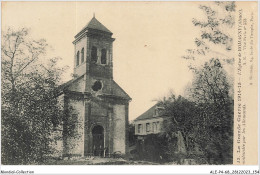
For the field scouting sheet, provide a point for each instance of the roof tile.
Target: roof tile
(95, 24)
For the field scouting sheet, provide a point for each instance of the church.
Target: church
(96, 108)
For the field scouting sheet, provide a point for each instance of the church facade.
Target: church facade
(96, 107)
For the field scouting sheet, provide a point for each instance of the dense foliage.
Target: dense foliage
(211, 93)
(205, 118)
(30, 109)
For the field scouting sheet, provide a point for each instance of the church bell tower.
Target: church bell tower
(93, 50)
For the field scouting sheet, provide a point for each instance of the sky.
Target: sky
(150, 38)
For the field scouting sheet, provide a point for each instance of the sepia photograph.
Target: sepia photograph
(123, 83)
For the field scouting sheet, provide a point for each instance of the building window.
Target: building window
(103, 56)
(94, 54)
(158, 126)
(147, 127)
(154, 127)
(139, 128)
(82, 55)
(77, 62)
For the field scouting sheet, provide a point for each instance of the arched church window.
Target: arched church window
(94, 54)
(103, 56)
(82, 55)
(77, 62)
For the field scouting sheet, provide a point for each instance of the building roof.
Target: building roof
(150, 113)
(96, 25)
(117, 91)
(64, 85)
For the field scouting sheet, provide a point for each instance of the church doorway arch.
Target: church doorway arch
(98, 140)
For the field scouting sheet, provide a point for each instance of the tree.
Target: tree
(181, 113)
(205, 120)
(30, 108)
(210, 84)
(211, 93)
(212, 89)
(216, 32)
(131, 134)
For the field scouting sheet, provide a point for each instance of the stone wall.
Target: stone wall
(119, 128)
(75, 144)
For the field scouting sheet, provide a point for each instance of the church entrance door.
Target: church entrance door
(98, 140)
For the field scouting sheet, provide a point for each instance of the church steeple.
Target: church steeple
(94, 50)
(94, 24)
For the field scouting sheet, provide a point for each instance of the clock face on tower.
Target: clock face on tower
(97, 85)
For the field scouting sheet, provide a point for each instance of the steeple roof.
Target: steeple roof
(95, 24)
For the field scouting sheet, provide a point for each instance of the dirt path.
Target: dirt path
(99, 161)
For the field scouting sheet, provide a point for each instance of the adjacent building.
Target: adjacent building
(150, 122)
